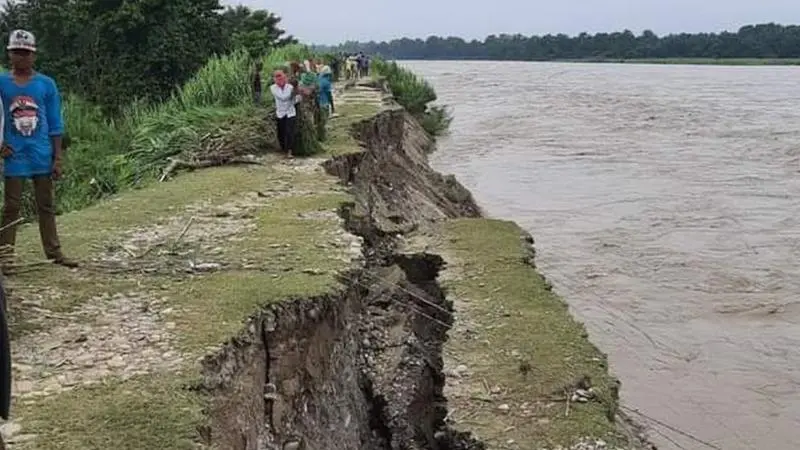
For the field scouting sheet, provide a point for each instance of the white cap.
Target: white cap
(21, 40)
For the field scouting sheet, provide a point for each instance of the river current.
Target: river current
(665, 204)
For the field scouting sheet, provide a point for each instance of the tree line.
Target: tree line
(769, 40)
(113, 52)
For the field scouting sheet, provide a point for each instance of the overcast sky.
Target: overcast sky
(330, 22)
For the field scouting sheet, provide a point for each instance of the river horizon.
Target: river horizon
(664, 205)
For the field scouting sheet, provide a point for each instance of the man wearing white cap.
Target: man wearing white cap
(31, 144)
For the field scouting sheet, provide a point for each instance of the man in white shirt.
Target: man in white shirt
(285, 99)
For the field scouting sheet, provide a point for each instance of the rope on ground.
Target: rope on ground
(671, 428)
(418, 297)
(409, 306)
(12, 224)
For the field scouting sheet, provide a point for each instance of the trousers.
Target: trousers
(286, 132)
(43, 191)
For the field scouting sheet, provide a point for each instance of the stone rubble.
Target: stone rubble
(203, 228)
(122, 335)
(586, 444)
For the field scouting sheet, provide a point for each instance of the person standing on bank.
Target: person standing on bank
(285, 111)
(32, 147)
(325, 93)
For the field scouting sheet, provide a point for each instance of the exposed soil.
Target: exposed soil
(361, 368)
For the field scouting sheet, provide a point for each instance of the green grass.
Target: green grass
(339, 139)
(285, 247)
(87, 233)
(276, 245)
(147, 412)
(516, 318)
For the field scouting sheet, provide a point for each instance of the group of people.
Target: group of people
(356, 66)
(311, 80)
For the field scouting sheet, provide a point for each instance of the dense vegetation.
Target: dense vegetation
(141, 84)
(114, 52)
(148, 84)
(752, 41)
(210, 116)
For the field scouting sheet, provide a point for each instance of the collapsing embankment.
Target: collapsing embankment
(363, 368)
(360, 365)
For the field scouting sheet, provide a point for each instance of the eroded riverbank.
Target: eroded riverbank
(664, 201)
(299, 305)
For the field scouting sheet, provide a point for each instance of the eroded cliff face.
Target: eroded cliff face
(395, 186)
(360, 368)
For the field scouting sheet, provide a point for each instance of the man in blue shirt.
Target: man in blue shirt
(31, 149)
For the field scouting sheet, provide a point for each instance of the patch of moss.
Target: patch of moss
(524, 341)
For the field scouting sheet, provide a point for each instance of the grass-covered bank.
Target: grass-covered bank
(103, 356)
(107, 355)
(211, 116)
(416, 95)
(525, 357)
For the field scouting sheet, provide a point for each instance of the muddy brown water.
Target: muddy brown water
(665, 204)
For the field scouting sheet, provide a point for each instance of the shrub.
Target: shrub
(436, 120)
(415, 94)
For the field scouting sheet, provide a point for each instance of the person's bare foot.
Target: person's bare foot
(289, 154)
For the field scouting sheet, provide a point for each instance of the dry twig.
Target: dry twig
(183, 232)
(177, 164)
(13, 224)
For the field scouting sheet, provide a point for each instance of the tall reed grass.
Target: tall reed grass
(415, 94)
(109, 155)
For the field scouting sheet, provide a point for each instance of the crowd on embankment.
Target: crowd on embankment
(310, 81)
(211, 117)
(216, 116)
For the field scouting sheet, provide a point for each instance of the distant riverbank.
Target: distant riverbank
(665, 61)
(698, 61)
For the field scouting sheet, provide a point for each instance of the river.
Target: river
(665, 204)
